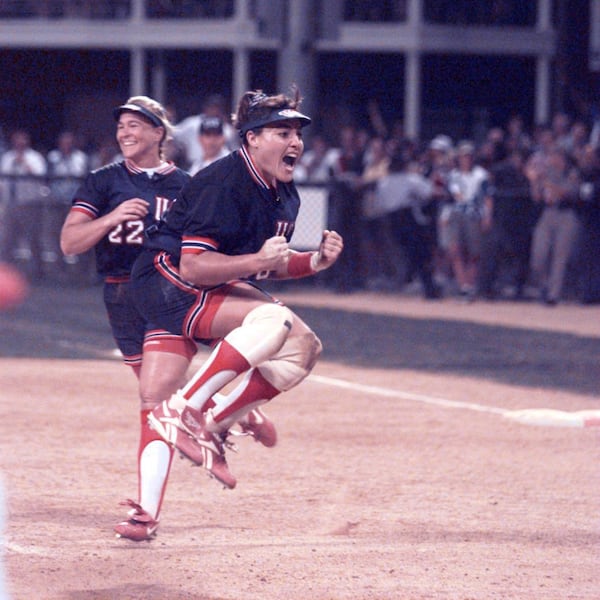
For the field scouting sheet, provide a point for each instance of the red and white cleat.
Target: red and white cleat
(260, 427)
(140, 527)
(185, 430)
(166, 422)
(211, 446)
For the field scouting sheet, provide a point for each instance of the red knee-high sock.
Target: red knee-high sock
(251, 392)
(223, 366)
(155, 457)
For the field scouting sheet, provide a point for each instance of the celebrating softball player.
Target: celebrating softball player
(231, 227)
(111, 211)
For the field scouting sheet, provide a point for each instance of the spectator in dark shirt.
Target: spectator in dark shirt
(555, 187)
(506, 245)
(344, 210)
(589, 248)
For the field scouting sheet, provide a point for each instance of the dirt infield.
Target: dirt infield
(400, 472)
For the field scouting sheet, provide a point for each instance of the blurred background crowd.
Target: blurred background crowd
(514, 214)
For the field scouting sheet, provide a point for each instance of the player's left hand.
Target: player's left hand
(330, 248)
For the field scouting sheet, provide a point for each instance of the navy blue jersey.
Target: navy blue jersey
(227, 207)
(105, 188)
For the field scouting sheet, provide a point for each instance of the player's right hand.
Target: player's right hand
(274, 253)
(130, 210)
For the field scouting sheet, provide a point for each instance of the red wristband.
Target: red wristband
(299, 265)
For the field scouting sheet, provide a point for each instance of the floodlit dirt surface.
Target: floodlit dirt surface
(400, 472)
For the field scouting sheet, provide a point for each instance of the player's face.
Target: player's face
(277, 149)
(138, 140)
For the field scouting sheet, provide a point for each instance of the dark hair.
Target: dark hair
(255, 106)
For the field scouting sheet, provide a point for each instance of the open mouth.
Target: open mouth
(289, 160)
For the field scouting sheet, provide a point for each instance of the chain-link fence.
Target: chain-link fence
(32, 211)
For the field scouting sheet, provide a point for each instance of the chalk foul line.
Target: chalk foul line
(528, 416)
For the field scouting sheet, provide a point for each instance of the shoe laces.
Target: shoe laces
(223, 441)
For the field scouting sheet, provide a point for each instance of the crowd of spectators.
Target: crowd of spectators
(36, 190)
(513, 215)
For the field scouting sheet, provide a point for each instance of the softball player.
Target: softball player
(110, 212)
(229, 228)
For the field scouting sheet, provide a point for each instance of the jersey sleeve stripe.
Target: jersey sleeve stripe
(194, 245)
(86, 208)
(164, 266)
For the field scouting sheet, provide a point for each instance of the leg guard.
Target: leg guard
(154, 463)
(252, 391)
(260, 336)
(290, 365)
(294, 361)
(262, 333)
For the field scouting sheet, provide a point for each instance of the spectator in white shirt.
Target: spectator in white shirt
(23, 196)
(463, 222)
(185, 132)
(66, 165)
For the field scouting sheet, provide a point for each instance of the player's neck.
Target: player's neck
(151, 170)
(148, 163)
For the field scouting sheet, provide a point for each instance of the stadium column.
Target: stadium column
(297, 56)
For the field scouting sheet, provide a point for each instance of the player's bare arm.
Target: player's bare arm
(212, 268)
(82, 232)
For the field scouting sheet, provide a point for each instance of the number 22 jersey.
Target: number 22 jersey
(106, 188)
